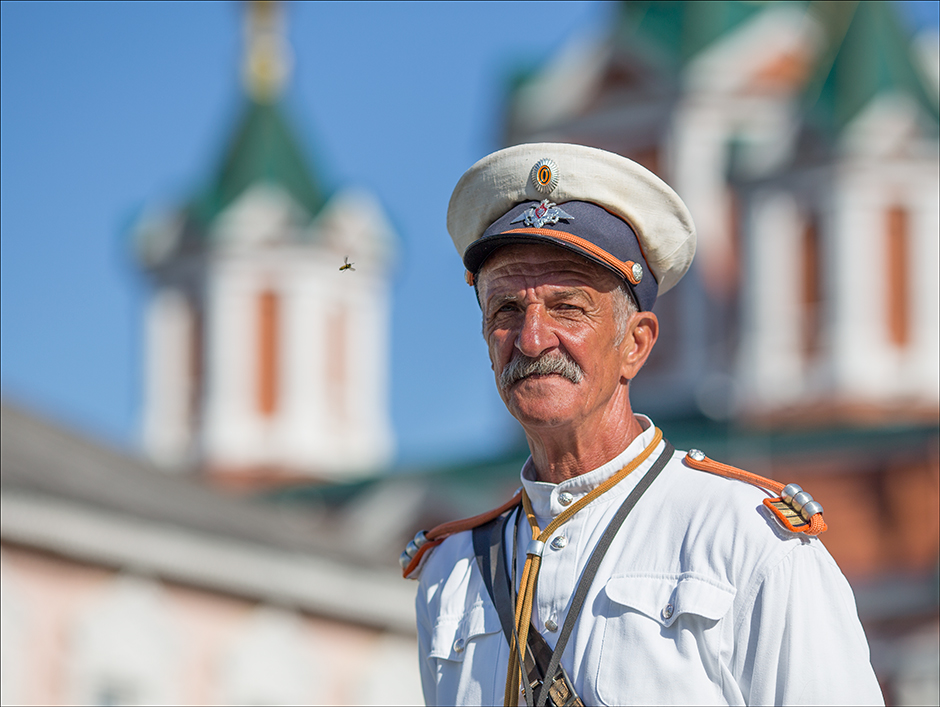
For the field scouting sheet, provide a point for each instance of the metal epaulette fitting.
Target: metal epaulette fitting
(810, 509)
(421, 537)
(789, 491)
(800, 500)
(411, 549)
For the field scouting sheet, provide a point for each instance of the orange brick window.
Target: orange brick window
(269, 325)
(898, 287)
(811, 290)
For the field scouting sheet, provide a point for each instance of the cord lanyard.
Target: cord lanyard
(530, 571)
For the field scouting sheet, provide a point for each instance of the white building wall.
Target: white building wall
(925, 269)
(302, 429)
(858, 345)
(771, 367)
(168, 382)
(125, 646)
(232, 435)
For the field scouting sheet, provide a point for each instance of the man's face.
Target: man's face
(547, 305)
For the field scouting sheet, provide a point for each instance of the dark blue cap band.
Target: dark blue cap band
(589, 228)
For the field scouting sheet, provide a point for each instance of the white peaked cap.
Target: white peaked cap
(501, 181)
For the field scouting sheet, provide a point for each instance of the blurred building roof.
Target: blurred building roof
(867, 54)
(64, 494)
(673, 32)
(263, 150)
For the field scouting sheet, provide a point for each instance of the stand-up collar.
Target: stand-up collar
(547, 498)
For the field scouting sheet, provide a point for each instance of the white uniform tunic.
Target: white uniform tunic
(702, 598)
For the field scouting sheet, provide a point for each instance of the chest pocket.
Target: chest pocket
(661, 639)
(666, 598)
(455, 636)
(467, 651)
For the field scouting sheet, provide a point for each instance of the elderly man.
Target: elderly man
(623, 572)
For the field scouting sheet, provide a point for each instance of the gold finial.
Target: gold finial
(267, 54)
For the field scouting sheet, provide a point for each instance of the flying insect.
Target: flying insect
(347, 265)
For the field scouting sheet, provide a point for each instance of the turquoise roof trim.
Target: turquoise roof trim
(674, 31)
(869, 54)
(263, 150)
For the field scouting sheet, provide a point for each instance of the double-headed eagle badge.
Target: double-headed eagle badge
(546, 213)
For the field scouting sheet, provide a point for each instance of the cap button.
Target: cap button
(637, 272)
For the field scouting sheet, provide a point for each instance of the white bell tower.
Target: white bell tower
(267, 361)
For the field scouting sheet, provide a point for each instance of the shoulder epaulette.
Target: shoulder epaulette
(417, 549)
(793, 507)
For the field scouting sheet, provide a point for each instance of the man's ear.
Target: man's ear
(642, 332)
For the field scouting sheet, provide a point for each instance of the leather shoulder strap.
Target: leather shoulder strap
(487, 543)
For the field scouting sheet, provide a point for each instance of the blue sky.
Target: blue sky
(109, 107)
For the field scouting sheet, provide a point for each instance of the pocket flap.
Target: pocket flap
(451, 634)
(665, 597)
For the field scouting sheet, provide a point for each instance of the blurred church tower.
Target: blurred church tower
(265, 361)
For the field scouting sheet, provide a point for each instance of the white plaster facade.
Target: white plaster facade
(326, 422)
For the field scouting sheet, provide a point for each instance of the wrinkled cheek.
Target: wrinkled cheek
(496, 347)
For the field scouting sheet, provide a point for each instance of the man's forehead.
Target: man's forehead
(538, 264)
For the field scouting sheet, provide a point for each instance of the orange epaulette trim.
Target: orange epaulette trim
(426, 539)
(793, 507)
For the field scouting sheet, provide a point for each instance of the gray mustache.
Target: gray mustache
(522, 366)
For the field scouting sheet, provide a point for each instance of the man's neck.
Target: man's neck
(561, 454)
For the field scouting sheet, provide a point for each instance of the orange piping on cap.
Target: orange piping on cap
(468, 276)
(624, 268)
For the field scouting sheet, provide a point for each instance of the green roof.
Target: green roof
(263, 150)
(674, 31)
(869, 54)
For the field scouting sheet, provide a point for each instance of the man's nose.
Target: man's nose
(536, 335)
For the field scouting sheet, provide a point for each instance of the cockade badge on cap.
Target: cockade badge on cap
(544, 175)
(545, 213)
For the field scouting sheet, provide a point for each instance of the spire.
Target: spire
(267, 64)
(263, 148)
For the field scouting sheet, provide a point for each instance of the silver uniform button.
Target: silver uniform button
(559, 542)
(667, 611)
(565, 498)
(697, 454)
(459, 645)
(551, 625)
